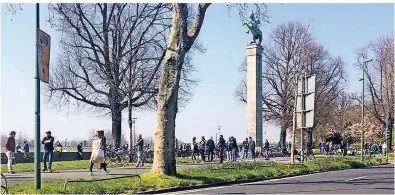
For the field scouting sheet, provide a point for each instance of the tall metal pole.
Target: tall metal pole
(363, 111)
(37, 144)
(388, 136)
(294, 126)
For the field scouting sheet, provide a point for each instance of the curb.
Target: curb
(184, 188)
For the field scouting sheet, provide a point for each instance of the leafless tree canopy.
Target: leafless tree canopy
(379, 75)
(112, 53)
(290, 52)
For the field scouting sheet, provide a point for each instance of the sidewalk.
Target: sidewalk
(115, 172)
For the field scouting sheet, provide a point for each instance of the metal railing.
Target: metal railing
(95, 180)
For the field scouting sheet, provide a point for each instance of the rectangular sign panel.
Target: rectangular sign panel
(306, 95)
(43, 53)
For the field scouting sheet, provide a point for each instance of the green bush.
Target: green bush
(207, 174)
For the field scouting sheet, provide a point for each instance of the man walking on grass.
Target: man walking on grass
(9, 146)
(245, 149)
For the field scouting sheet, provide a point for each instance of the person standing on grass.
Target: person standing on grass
(25, 149)
(140, 146)
(98, 150)
(195, 150)
(266, 148)
(9, 146)
(48, 151)
(251, 148)
(233, 146)
(229, 149)
(202, 148)
(245, 149)
(79, 150)
(221, 147)
(211, 148)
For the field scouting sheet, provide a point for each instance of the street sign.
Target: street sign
(43, 54)
(305, 102)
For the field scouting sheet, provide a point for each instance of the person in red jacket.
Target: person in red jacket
(9, 146)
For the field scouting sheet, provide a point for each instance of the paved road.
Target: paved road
(83, 173)
(375, 180)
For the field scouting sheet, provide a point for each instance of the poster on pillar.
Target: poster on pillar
(305, 102)
(43, 54)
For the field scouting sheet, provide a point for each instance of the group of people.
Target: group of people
(11, 148)
(222, 150)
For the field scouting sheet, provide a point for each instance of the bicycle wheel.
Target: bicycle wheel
(4, 190)
(149, 156)
(4, 180)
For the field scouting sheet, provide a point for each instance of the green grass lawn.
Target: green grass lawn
(207, 174)
(60, 165)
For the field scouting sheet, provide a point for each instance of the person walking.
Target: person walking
(245, 149)
(195, 150)
(251, 148)
(9, 146)
(221, 147)
(202, 148)
(140, 146)
(48, 151)
(211, 148)
(98, 151)
(266, 148)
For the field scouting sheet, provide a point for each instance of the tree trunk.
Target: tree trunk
(180, 42)
(116, 116)
(164, 154)
(283, 136)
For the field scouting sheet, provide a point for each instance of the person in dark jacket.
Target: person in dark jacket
(9, 146)
(210, 147)
(140, 146)
(233, 144)
(79, 150)
(245, 149)
(221, 147)
(251, 148)
(195, 150)
(48, 151)
(25, 149)
(202, 149)
(266, 148)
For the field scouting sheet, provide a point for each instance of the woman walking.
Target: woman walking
(98, 149)
(195, 150)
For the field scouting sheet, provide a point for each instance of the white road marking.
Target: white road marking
(258, 182)
(355, 178)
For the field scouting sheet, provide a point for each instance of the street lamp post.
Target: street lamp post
(363, 106)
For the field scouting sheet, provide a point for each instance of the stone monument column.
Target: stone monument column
(254, 93)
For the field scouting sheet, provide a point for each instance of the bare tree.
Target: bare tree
(182, 37)
(111, 56)
(379, 78)
(290, 52)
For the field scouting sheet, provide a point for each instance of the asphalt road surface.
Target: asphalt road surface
(374, 180)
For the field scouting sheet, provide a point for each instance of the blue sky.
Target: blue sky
(341, 28)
